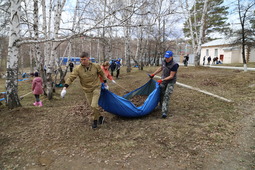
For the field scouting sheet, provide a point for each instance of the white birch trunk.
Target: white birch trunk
(38, 58)
(47, 51)
(31, 58)
(51, 64)
(21, 61)
(1, 57)
(195, 23)
(12, 99)
(98, 48)
(191, 29)
(197, 57)
(127, 49)
(44, 29)
(127, 39)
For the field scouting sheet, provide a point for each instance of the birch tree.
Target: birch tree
(51, 65)
(13, 53)
(201, 31)
(4, 19)
(51, 35)
(199, 25)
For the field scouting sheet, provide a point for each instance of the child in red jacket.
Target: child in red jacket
(105, 67)
(37, 89)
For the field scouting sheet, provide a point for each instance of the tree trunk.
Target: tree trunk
(127, 50)
(197, 57)
(12, 98)
(191, 28)
(51, 64)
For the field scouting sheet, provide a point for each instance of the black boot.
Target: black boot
(101, 120)
(94, 125)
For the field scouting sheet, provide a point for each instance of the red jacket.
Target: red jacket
(37, 85)
(106, 73)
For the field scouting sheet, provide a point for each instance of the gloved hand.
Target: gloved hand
(113, 81)
(160, 81)
(151, 75)
(63, 93)
(106, 86)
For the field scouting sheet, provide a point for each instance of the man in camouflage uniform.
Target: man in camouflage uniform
(168, 79)
(88, 74)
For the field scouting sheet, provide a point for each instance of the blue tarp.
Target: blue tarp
(2, 98)
(121, 106)
(23, 79)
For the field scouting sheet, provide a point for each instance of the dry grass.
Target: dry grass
(50, 136)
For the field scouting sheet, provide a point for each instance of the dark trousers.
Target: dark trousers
(118, 73)
(37, 97)
(112, 72)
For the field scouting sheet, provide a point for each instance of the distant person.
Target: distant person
(24, 75)
(105, 67)
(214, 60)
(37, 88)
(185, 61)
(217, 60)
(209, 60)
(88, 74)
(112, 67)
(203, 60)
(168, 79)
(71, 66)
(118, 68)
(45, 69)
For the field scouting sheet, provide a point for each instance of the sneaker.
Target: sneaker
(101, 120)
(94, 125)
(40, 103)
(36, 104)
(164, 115)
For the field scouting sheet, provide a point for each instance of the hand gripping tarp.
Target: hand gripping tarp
(121, 106)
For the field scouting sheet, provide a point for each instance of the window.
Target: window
(207, 52)
(216, 52)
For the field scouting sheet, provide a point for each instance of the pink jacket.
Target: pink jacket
(37, 85)
(106, 73)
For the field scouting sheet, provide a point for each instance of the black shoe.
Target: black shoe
(164, 115)
(94, 125)
(101, 120)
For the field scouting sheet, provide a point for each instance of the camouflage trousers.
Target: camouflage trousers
(165, 92)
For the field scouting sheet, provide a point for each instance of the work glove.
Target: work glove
(106, 86)
(151, 75)
(63, 93)
(160, 81)
(113, 81)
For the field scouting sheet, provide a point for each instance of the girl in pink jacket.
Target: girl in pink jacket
(37, 88)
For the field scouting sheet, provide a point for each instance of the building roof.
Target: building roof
(219, 42)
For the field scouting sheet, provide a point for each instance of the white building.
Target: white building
(226, 51)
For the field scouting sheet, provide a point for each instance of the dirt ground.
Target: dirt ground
(204, 132)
